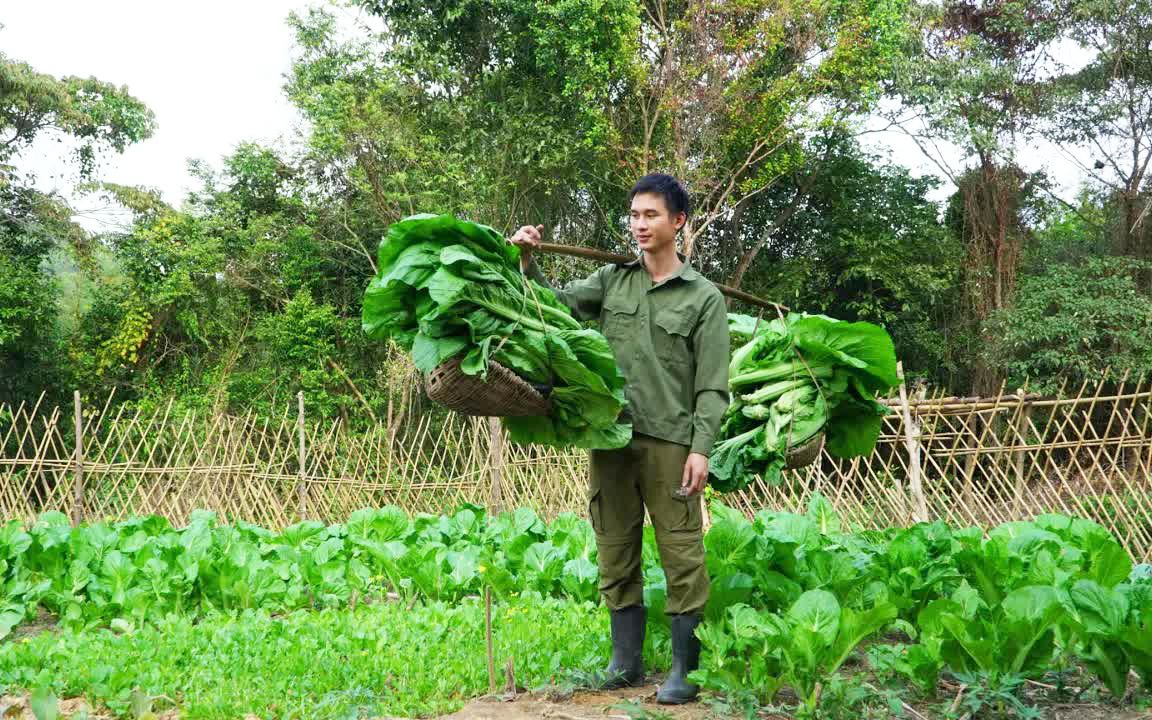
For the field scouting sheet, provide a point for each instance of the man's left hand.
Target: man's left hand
(695, 475)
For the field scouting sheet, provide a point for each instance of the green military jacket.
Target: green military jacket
(671, 343)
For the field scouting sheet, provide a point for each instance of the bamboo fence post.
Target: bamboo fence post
(78, 476)
(912, 443)
(968, 496)
(496, 505)
(1023, 421)
(302, 455)
(488, 642)
(496, 466)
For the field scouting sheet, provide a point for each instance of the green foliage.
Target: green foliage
(296, 344)
(794, 597)
(143, 568)
(1002, 607)
(1071, 322)
(96, 113)
(995, 692)
(511, 103)
(1014, 637)
(31, 226)
(799, 648)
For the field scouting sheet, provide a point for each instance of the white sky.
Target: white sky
(212, 72)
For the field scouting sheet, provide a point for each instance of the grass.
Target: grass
(339, 664)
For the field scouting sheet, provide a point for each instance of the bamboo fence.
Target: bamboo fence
(967, 461)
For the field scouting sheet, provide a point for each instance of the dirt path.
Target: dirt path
(624, 704)
(640, 704)
(629, 704)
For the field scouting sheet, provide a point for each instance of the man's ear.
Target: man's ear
(680, 220)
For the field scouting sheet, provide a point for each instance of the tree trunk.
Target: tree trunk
(689, 243)
(1134, 239)
(785, 215)
(993, 236)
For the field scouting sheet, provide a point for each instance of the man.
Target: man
(668, 329)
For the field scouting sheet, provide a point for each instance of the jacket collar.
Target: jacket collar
(687, 273)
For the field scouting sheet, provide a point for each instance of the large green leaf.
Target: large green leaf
(1110, 563)
(854, 428)
(860, 345)
(1102, 611)
(855, 626)
(818, 612)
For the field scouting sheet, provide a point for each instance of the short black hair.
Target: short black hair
(674, 194)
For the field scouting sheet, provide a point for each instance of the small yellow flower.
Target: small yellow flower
(481, 569)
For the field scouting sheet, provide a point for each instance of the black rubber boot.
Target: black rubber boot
(676, 690)
(626, 668)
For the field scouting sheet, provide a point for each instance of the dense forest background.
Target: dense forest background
(516, 111)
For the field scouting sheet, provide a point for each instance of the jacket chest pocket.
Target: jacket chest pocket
(673, 330)
(618, 320)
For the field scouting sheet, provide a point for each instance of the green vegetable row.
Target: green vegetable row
(798, 596)
(792, 598)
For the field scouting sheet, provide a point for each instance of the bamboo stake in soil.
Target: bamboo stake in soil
(488, 638)
(496, 465)
(1023, 422)
(510, 678)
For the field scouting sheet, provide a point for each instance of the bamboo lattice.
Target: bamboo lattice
(981, 461)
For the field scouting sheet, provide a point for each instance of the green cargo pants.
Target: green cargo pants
(646, 473)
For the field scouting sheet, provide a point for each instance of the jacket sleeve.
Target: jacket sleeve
(711, 344)
(583, 297)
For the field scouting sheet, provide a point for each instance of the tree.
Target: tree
(97, 114)
(1106, 107)
(731, 91)
(555, 108)
(977, 77)
(867, 245)
(32, 224)
(494, 112)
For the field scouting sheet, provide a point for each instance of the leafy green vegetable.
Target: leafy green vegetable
(793, 379)
(450, 288)
(1013, 637)
(800, 648)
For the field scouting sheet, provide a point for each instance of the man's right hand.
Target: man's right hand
(527, 239)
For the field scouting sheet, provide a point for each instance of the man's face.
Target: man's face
(653, 227)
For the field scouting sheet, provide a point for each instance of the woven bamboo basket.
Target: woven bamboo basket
(806, 454)
(503, 394)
